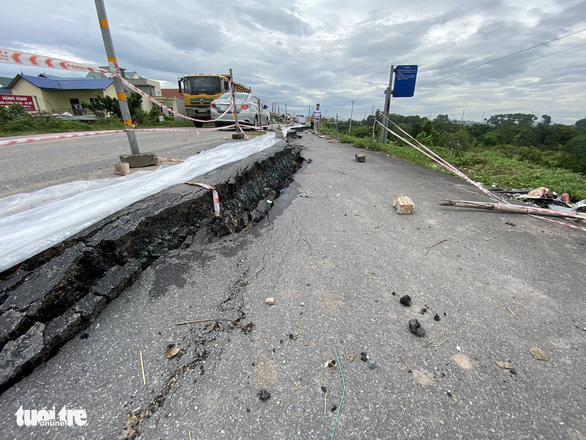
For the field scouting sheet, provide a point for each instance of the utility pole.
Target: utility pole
(115, 69)
(351, 111)
(388, 93)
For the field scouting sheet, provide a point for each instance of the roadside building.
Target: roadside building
(53, 94)
(174, 100)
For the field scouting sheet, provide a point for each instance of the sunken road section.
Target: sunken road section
(48, 299)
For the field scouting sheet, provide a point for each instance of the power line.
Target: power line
(506, 56)
(528, 61)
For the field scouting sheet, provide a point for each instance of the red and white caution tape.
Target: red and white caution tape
(54, 137)
(439, 160)
(214, 195)
(166, 159)
(29, 59)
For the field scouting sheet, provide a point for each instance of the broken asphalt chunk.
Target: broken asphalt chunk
(264, 395)
(405, 300)
(415, 328)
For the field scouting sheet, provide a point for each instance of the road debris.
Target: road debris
(363, 356)
(510, 208)
(538, 354)
(343, 392)
(439, 242)
(403, 205)
(122, 168)
(405, 300)
(142, 368)
(453, 396)
(208, 320)
(510, 311)
(437, 342)
(171, 352)
(411, 371)
(505, 365)
(371, 364)
(351, 356)
(415, 328)
(264, 395)
(270, 301)
(360, 157)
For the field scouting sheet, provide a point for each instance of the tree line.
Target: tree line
(518, 135)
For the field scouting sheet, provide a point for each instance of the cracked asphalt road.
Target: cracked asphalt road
(337, 258)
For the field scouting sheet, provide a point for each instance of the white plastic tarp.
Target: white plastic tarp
(59, 212)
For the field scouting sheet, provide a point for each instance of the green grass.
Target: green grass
(492, 168)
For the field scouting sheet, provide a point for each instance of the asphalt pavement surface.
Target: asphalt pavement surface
(31, 166)
(334, 356)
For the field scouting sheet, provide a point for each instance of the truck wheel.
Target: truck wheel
(198, 124)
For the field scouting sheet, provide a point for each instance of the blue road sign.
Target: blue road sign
(405, 77)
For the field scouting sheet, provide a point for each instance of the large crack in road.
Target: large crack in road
(47, 300)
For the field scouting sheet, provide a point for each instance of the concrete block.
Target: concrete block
(139, 160)
(403, 205)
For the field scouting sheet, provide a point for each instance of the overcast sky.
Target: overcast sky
(299, 53)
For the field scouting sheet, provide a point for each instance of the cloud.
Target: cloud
(333, 51)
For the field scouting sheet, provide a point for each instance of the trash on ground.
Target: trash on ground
(415, 328)
(538, 354)
(270, 301)
(453, 396)
(360, 157)
(363, 356)
(371, 364)
(403, 205)
(350, 356)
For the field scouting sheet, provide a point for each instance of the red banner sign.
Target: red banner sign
(25, 101)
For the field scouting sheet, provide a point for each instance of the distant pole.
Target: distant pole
(351, 112)
(336, 125)
(114, 68)
(388, 93)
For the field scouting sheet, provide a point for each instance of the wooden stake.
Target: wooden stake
(510, 208)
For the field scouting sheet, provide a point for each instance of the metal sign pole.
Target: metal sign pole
(387, 108)
(113, 63)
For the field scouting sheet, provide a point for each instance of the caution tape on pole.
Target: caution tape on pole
(215, 196)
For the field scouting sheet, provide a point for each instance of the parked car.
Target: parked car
(247, 110)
